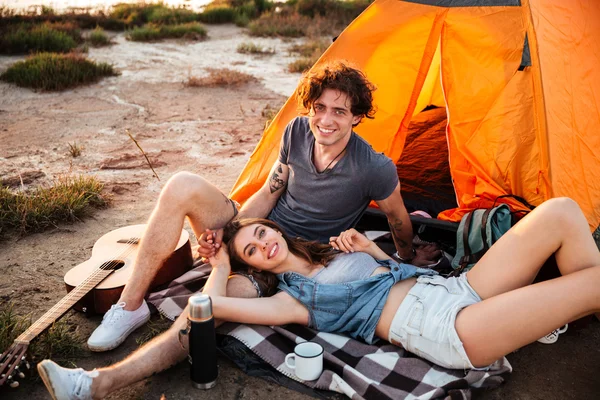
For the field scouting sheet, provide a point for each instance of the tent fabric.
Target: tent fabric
(519, 80)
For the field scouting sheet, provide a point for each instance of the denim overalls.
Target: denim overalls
(353, 308)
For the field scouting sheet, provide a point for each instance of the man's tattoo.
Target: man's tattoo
(396, 230)
(276, 183)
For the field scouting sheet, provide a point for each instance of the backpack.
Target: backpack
(480, 229)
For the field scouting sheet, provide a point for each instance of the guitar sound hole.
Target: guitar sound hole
(112, 265)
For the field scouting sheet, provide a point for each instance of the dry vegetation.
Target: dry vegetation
(309, 53)
(220, 77)
(253, 48)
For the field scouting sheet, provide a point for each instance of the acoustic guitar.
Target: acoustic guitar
(93, 286)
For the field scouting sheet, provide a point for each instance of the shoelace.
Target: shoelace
(81, 385)
(115, 313)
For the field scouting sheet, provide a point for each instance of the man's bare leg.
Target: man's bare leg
(157, 355)
(184, 195)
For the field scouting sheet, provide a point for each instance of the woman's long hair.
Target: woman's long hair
(309, 250)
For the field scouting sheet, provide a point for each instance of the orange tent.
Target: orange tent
(520, 82)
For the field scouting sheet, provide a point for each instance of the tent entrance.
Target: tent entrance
(423, 167)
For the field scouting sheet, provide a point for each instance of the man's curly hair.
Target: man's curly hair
(338, 75)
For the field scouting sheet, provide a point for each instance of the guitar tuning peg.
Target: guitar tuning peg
(21, 375)
(27, 365)
(13, 384)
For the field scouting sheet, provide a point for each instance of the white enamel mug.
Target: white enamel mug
(306, 361)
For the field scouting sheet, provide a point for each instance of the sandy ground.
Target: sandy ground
(210, 131)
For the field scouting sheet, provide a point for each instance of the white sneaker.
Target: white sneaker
(552, 337)
(65, 383)
(116, 325)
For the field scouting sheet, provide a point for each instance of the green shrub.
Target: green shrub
(241, 20)
(157, 13)
(40, 38)
(67, 200)
(133, 14)
(48, 71)
(217, 15)
(98, 38)
(152, 32)
(344, 11)
(165, 15)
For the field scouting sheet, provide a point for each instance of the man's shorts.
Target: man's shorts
(235, 205)
(425, 321)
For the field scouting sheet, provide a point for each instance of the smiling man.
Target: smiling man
(321, 184)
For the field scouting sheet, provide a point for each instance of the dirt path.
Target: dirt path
(210, 131)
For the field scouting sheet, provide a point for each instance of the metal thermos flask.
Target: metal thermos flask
(203, 342)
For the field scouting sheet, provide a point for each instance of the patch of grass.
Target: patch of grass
(220, 77)
(342, 10)
(154, 328)
(241, 20)
(61, 341)
(313, 18)
(151, 32)
(217, 15)
(98, 38)
(269, 112)
(309, 52)
(310, 47)
(280, 24)
(75, 149)
(301, 64)
(67, 200)
(172, 16)
(25, 40)
(48, 71)
(253, 48)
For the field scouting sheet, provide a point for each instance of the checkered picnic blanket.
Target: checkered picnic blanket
(351, 367)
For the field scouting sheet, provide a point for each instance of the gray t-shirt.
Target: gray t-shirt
(317, 205)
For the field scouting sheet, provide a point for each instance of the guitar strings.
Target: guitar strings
(58, 307)
(76, 290)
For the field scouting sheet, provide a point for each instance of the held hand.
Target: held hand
(209, 242)
(426, 255)
(220, 259)
(350, 241)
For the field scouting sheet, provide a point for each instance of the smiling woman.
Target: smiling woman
(265, 247)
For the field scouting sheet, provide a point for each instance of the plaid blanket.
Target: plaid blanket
(351, 367)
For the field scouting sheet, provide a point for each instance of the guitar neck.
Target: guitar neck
(63, 306)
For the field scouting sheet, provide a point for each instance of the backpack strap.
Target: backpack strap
(464, 260)
(484, 221)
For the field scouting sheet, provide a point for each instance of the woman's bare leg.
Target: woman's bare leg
(501, 324)
(555, 227)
